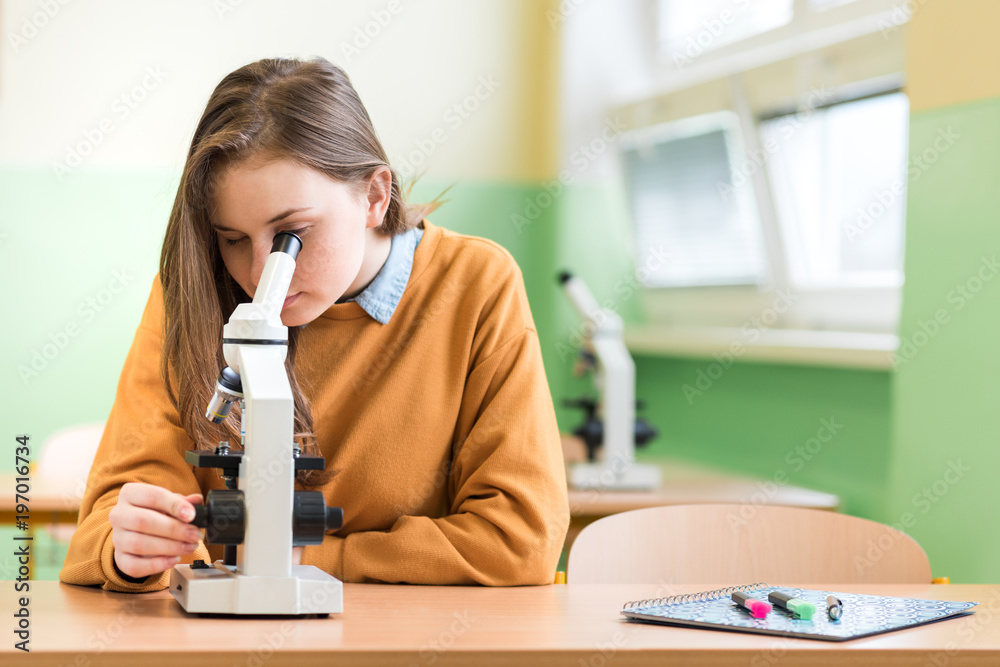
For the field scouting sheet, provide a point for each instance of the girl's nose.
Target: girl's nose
(260, 254)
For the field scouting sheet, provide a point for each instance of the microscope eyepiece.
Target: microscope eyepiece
(288, 243)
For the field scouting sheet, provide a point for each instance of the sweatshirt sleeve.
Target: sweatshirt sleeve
(509, 509)
(142, 442)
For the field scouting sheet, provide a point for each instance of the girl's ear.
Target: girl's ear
(379, 196)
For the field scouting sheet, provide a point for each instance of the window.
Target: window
(761, 189)
(675, 174)
(838, 178)
(830, 233)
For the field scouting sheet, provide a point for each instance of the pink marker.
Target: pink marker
(757, 608)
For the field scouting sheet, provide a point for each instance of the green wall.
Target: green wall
(755, 416)
(761, 419)
(64, 241)
(946, 418)
(78, 257)
(825, 428)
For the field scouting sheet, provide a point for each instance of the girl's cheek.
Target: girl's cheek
(317, 252)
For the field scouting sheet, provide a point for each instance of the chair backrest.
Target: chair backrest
(739, 544)
(66, 457)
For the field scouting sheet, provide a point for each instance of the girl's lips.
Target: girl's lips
(291, 299)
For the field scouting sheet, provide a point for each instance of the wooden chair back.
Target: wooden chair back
(741, 544)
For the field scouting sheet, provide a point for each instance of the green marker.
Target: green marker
(798, 608)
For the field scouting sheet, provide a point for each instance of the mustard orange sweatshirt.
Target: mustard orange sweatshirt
(440, 423)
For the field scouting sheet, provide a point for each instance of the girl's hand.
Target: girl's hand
(150, 528)
(297, 555)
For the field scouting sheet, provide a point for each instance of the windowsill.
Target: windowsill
(787, 346)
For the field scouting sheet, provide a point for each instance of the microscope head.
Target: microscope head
(599, 321)
(255, 323)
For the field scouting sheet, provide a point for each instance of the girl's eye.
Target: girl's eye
(230, 242)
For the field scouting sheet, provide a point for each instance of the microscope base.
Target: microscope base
(636, 477)
(220, 590)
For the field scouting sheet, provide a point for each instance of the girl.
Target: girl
(412, 357)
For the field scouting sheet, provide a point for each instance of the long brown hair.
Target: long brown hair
(307, 111)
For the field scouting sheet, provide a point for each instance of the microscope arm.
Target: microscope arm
(581, 298)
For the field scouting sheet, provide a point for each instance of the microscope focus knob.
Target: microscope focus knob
(334, 518)
(223, 516)
(312, 519)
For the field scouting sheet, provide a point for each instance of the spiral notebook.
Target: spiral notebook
(863, 615)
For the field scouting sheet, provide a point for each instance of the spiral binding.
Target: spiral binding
(694, 597)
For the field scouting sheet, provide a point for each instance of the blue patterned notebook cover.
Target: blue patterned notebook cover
(863, 615)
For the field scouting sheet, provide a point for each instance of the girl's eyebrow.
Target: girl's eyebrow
(277, 218)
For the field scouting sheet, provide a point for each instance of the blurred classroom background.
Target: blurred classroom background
(792, 204)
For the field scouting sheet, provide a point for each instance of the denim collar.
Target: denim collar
(383, 293)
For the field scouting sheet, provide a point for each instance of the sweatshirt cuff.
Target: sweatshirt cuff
(131, 580)
(328, 556)
(116, 581)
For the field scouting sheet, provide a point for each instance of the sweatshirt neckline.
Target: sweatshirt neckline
(352, 310)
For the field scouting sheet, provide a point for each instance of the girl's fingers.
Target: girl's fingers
(157, 498)
(150, 509)
(153, 523)
(137, 566)
(150, 529)
(139, 544)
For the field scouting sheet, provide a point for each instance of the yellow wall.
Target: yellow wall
(953, 52)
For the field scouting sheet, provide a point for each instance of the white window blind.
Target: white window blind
(838, 176)
(680, 181)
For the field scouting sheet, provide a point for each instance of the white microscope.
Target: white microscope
(614, 376)
(259, 517)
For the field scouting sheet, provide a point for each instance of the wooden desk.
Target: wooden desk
(689, 483)
(47, 503)
(569, 625)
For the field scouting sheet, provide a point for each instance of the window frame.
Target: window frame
(868, 309)
(824, 26)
